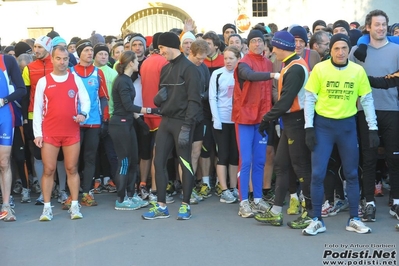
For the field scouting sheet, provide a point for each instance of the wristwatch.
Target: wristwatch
(148, 110)
(84, 114)
(3, 101)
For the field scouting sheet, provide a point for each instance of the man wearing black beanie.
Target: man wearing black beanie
(341, 26)
(331, 93)
(180, 101)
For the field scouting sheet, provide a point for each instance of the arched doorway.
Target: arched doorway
(160, 18)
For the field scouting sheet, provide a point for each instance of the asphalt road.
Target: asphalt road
(215, 235)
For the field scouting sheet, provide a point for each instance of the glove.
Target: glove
(144, 127)
(264, 127)
(161, 96)
(104, 130)
(184, 137)
(155, 111)
(310, 138)
(217, 125)
(276, 76)
(374, 139)
(361, 52)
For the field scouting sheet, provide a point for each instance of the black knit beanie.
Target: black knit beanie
(169, 39)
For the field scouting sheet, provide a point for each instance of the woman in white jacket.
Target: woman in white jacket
(221, 88)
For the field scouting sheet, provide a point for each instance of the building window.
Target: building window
(259, 8)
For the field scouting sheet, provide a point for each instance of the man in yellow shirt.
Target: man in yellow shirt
(331, 93)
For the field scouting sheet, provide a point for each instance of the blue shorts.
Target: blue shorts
(6, 125)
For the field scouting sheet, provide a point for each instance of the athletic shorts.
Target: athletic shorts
(198, 132)
(6, 126)
(61, 141)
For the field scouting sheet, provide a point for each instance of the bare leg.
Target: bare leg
(268, 170)
(5, 173)
(71, 155)
(49, 159)
(233, 169)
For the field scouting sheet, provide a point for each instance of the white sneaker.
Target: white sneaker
(75, 212)
(314, 227)
(356, 225)
(47, 214)
(25, 195)
(327, 210)
(245, 210)
(227, 197)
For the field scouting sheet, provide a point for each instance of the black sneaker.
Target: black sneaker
(394, 211)
(369, 213)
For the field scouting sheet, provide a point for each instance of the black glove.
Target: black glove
(361, 52)
(144, 127)
(374, 139)
(104, 130)
(155, 111)
(184, 137)
(264, 127)
(310, 138)
(161, 96)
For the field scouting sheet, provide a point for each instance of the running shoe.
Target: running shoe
(75, 212)
(355, 225)
(17, 187)
(62, 197)
(260, 207)
(184, 212)
(144, 192)
(97, 186)
(269, 197)
(235, 192)
(245, 210)
(126, 205)
(170, 188)
(227, 197)
(36, 187)
(314, 227)
(394, 211)
(47, 214)
(218, 190)
(12, 202)
(301, 222)
(88, 199)
(39, 200)
(67, 204)
(339, 205)
(294, 206)
(8, 213)
(378, 190)
(204, 191)
(156, 212)
(369, 213)
(139, 201)
(110, 186)
(152, 198)
(270, 218)
(25, 195)
(327, 210)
